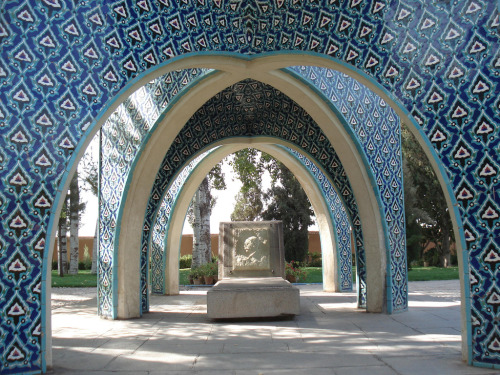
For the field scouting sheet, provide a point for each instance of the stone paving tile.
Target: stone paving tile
(83, 343)
(78, 360)
(288, 371)
(152, 361)
(368, 370)
(126, 344)
(192, 372)
(62, 371)
(439, 364)
(331, 336)
(276, 360)
(180, 347)
(245, 347)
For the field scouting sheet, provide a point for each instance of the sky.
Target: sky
(226, 200)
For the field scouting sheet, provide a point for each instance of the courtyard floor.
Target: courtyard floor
(330, 336)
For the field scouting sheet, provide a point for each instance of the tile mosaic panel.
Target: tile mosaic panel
(342, 229)
(378, 131)
(62, 62)
(157, 252)
(123, 134)
(251, 108)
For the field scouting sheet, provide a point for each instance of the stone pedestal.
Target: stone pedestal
(251, 249)
(253, 298)
(252, 271)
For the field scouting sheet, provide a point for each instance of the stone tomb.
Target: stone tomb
(251, 273)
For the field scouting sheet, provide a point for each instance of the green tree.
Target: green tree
(202, 249)
(62, 227)
(75, 208)
(248, 167)
(90, 182)
(199, 215)
(69, 219)
(286, 200)
(426, 210)
(289, 203)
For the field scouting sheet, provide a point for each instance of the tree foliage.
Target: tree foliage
(426, 210)
(89, 171)
(75, 208)
(202, 249)
(288, 202)
(199, 215)
(285, 200)
(89, 167)
(62, 230)
(69, 218)
(248, 168)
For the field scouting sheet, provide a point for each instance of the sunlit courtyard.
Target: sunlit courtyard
(330, 336)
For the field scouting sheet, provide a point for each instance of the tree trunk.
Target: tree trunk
(93, 269)
(202, 250)
(74, 221)
(62, 259)
(422, 248)
(205, 211)
(445, 247)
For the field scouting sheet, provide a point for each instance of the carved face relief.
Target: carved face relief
(252, 250)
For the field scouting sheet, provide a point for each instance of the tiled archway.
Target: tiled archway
(62, 63)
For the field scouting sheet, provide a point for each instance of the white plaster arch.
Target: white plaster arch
(233, 69)
(153, 152)
(331, 277)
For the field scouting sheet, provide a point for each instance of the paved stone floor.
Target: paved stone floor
(330, 336)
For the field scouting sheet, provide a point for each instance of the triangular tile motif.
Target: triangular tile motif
(83, 53)
(342, 228)
(243, 95)
(377, 130)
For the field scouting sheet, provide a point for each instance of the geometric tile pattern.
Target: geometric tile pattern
(251, 108)
(62, 62)
(377, 129)
(343, 227)
(157, 254)
(122, 136)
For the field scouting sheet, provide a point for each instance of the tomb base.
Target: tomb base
(253, 298)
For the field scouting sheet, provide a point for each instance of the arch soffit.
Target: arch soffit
(275, 148)
(192, 133)
(182, 110)
(230, 68)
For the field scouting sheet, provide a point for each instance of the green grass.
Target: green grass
(314, 275)
(183, 276)
(83, 279)
(432, 273)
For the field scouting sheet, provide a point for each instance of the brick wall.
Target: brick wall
(186, 245)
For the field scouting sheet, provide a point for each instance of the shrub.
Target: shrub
(211, 269)
(185, 261)
(454, 260)
(314, 260)
(431, 257)
(87, 260)
(54, 265)
(293, 269)
(196, 272)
